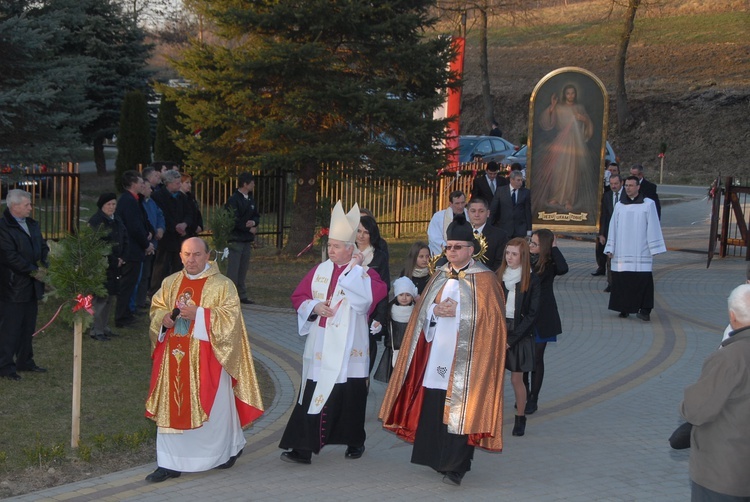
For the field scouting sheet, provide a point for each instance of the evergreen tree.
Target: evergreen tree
(165, 149)
(292, 85)
(42, 99)
(134, 135)
(116, 52)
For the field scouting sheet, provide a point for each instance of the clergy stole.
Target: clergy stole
(336, 333)
(180, 362)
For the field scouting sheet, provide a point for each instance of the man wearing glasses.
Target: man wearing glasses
(445, 395)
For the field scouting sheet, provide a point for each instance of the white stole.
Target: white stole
(335, 341)
(443, 337)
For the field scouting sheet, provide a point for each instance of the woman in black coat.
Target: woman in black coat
(370, 245)
(113, 231)
(522, 295)
(548, 262)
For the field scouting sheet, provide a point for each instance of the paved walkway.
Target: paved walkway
(610, 401)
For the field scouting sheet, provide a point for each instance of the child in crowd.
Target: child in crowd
(399, 312)
(417, 266)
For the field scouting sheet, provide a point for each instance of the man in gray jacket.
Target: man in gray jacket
(718, 406)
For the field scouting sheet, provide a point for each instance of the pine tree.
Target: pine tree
(293, 85)
(42, 95)
(78, 266)
(134, 135)
(165, 148)
(116, 55)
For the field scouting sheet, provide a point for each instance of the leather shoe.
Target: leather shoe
(162, 474)
(13, 376)
(452, 478)
(354, 452)
(229, 463)
(100, 337)
(623, 315)
(608, 289)
(247, 301)
(643, 317)
(599, 272)
(33, 369)
(294, 457)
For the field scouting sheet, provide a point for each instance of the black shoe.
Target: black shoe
(599, 271)
(354, 452)
(247, 301)
(623, 315)
(643, 317)
(100, 337)
(452, 478)
(32, 369)
(608, 289)
(519, 427)
(13, 376)
(162, 474)
(294, 457)
(229, 463)
(531, 406)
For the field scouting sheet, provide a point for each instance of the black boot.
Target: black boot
(531, 405)
(519, 428)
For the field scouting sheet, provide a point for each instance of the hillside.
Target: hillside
(687, 77)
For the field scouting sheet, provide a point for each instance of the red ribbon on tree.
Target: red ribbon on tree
(323, 232)
(84, 302)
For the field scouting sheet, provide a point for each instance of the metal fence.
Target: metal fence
(55, 195)
(401, 208)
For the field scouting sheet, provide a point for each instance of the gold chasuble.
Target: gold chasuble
(186, 370)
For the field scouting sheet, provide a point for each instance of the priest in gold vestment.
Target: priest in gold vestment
(446, 392)
(203, 388)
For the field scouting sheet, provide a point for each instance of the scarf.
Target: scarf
(368, 254)
(420, 272)
(511, 277)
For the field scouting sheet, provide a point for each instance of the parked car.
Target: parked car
(33, 179)
(520, 156)
(486, 148)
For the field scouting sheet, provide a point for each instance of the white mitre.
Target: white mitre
(344, 226)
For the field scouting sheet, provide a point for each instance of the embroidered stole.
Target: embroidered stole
(335, 336)
(181, 361)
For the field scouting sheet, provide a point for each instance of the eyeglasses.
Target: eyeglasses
(456, 247)
(533, 244)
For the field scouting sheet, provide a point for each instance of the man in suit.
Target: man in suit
(496, 238)
(511, 208)
(609, 201)
(139, 234)
(485, 186)
(647, 189)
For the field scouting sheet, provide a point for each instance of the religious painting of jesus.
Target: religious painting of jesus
(565, 159)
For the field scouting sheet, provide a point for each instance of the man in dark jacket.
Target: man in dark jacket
(139, 233)
(647, 189)
(177, 223)
(246, 218)
(23, 262)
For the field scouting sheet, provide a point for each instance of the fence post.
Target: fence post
(399, 194)
(282, 205)
(725, 215)
(72, 197)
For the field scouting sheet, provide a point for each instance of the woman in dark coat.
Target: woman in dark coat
(417, 265)
(369, 244)
(522, 293)
(113, 231)
(547, 262)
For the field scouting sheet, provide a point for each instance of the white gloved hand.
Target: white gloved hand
(375, 328)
